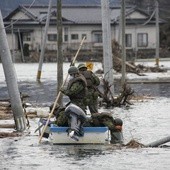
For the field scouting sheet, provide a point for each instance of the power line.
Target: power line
(20, 17)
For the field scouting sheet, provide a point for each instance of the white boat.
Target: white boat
(77, 133)
(92, 135)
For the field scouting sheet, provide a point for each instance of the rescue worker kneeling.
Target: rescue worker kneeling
(113, 124)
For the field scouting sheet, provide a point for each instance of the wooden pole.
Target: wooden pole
(11, 80)
(107, 50)
(56, 101)
(21, 46)
(123, 43)
(44, 42)
(59, 49)
(157, 33)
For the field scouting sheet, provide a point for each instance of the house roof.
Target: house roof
(7, 6)
(78, 14)
(83, 14)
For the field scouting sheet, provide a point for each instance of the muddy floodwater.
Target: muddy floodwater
(145, 121)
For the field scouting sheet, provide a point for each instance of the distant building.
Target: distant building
(25, 28)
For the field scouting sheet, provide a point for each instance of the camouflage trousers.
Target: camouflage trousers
(92, 100)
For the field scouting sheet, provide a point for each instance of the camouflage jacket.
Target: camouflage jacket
(77, 88)
(91, 78)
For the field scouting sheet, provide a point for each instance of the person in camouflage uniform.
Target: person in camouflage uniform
(60, 118)
(92, 82)
(76, 89)
(106, 119)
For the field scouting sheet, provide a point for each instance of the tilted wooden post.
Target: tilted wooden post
(11, 80)
(59, 49)
(123, 24)
(43, 46)
(157, 33)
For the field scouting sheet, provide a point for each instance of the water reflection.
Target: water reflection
(80, 151)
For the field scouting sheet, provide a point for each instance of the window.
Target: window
(128, 40)
(83, 35)
(98, 37)
(65, 38)
(66, 34)
(74, 36)
(142, 40)
(26, 36)
(52, 37)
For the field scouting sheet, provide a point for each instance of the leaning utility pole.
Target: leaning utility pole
(107, 50)
(157, 33)
(59, 49)
(44, 42)
(123, 43)
(11, 80)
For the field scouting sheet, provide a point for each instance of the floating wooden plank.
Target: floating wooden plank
(7, 126)
(8, 134)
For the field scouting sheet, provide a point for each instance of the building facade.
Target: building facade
(25, 28)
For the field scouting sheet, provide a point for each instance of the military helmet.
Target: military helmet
(118, 121)
(73, 70)
(81, 66)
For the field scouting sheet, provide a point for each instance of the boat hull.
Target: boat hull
(92, 135)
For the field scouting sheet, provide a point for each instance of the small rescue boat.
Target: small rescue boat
(77, 133)
(92, 135)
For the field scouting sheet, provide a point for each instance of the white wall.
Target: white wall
(37, 36)
(136, 15)
(134, 30)
(150, 30)
(20, 15)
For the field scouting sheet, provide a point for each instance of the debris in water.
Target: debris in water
(134, 144)
(9, 134)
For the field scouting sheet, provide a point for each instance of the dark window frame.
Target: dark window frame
(128, 40)
(98, 37)
(26, 36)
(142, 39)
(74, 36)
(52, 37)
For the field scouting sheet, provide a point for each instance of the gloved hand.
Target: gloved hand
(72, 64)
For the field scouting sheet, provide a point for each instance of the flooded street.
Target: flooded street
(145, 121)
